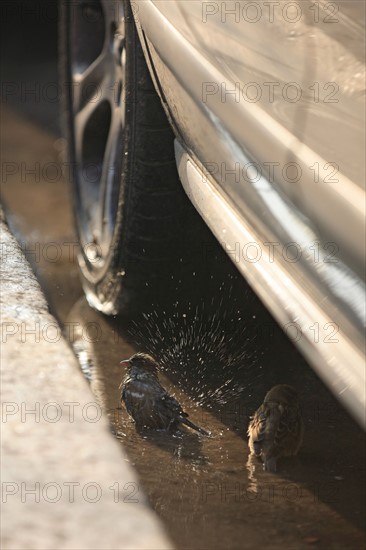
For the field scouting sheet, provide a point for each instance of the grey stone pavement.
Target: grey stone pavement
(66, 483)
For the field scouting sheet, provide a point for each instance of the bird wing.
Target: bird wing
(135, 398)
(172, 405)
(177, 414)
(290, 432)
(150, 404)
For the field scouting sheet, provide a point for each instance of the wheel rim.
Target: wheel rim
(98, 74)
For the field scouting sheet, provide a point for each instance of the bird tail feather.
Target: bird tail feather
(193, 426)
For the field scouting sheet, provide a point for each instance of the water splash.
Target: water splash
(190, 342)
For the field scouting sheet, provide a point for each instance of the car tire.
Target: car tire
(133, 219)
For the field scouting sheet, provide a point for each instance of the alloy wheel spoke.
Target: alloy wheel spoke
(110, 177)
(99, 117)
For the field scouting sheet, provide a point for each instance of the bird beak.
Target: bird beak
(124, 361)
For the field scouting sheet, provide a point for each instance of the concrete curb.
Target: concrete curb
(66, 483)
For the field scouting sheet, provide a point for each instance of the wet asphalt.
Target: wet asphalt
(220, 351)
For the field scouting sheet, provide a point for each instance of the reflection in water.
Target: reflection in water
(84, 355)
(251, 467)
(181, 445)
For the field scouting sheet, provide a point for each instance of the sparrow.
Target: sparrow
(277, 428)
(145, 399)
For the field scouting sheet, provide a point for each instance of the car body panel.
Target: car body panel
(292, 171)
(335, 357)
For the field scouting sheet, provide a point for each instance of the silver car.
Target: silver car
(258, 107)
